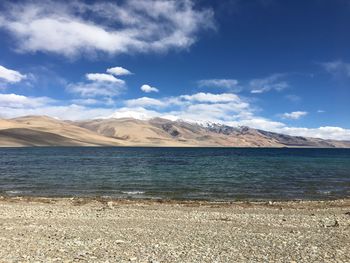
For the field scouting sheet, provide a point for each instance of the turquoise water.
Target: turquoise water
(176, 173)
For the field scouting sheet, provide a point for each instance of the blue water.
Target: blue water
(177, 173)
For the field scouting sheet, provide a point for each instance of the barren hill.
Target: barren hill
(46, 131)
(162, 132)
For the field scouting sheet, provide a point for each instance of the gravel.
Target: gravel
(103, 230)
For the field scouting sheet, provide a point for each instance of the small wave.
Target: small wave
(324, 192)
(16, 192)
(133, 192)
(106, 196)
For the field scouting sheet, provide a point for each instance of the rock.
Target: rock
(132, 259)
(336, 223)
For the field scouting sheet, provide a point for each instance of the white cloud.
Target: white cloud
(14, 105)
(273, 82)
(118, 71)
(74, 27)
(100, 85)
(135, 112)
(212, 98)
(145, 102)
(258, 85)
(95, 89)
(63, 112)
(90, 102)
(10, 76)
(295, 115)
(19, 101)
(216, 112)
(337, 68)
(104, 78)
(262, 124)
(147, 88)
(199, 107)
(231, 84)
(325, 132)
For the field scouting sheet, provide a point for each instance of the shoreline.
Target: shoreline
(317, 203)
(173, 146)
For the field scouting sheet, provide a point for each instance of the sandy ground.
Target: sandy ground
(85, 230)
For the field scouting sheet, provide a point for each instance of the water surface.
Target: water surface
(176, 173)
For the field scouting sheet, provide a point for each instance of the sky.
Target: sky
(281, 66)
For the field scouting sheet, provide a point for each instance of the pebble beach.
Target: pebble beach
(104, 230)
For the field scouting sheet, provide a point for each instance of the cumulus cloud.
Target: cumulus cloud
(145, 102)
(230, 84)
(100, 85)
(139, 113)
(74, 27)
(14, 101)
(63, 112)
(216, 112)
(14, 105)
(295, 115)
(147, 88)
(101, 77)
(199, 107)
(200, 104)
(118, 71)
(10, 76)
(324, 132)
(273, 82)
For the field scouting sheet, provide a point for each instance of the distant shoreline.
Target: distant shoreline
(167, 146)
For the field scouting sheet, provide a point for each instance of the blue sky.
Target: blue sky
(282, 66)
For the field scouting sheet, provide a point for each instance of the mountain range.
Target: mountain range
(47, 131)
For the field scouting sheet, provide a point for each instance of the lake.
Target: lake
(176, 173)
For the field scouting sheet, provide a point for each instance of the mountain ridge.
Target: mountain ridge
(47, 131)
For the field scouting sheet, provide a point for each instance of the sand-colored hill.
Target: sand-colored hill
(162, 132)
(28, 137)
(46, 131)
(133, 132)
